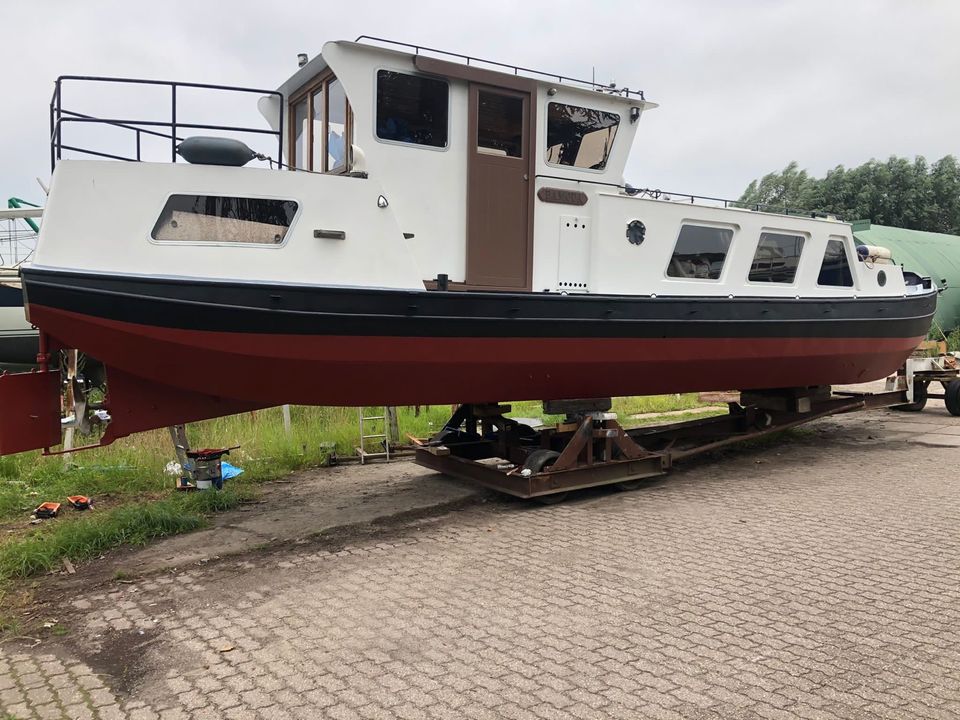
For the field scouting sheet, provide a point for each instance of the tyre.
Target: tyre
(952, 397)
(919, 399)
(538, 461)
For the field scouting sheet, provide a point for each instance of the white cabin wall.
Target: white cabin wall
(555, 248)
(426, 187)
(617, 267)
(100, 214)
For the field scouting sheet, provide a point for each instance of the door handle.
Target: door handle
(330, 234)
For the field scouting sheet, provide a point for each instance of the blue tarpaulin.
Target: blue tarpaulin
(228, 471)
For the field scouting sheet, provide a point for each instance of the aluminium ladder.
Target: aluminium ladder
(374, 422)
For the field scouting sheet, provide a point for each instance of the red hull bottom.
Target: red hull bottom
(264, 370)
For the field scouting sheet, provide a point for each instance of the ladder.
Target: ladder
(373, 428)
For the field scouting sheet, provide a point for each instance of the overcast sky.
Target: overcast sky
(745, 86)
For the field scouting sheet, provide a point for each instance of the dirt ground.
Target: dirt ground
(814, 576)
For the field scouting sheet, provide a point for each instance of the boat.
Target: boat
(422, 227)
(19, 340)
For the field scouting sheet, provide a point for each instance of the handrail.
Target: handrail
(657, 194)
(15, 237)
(611, 88)
(59, 116)
(16, 203)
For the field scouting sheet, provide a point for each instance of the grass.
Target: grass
(953, 340)
(86, 536)
(134, 500)
(679, 417)
(624, 407)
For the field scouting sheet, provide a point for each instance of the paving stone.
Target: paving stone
(814, 578)
(50, 711)
(20, 710)
(78, 712)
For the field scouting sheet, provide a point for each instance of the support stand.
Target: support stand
(591, 448)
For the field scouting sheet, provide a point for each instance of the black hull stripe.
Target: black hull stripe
(19, 349)
(10, 296)
(293, 310)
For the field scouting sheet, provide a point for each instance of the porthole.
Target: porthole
(881, 278)
(636, 232)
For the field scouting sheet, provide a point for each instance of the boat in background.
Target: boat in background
(19, 340)
(444, 230)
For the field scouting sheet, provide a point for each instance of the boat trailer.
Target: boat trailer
(589, 447)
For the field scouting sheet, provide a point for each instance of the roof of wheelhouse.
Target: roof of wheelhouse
(318, 64)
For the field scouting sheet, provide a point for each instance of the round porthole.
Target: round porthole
(636, 232)
(881, 278)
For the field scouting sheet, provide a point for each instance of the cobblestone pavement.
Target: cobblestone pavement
(816, 578)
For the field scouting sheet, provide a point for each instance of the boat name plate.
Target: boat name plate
(562, 196)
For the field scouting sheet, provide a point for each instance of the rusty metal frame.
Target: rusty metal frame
(596, 450)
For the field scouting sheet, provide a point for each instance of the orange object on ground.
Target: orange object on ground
(47, 510)
(80, 502)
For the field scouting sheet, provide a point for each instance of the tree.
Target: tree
(786, 189)
(898, 192)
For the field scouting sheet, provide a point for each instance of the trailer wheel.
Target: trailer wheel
(538, 461)
(951, 397)
(919, 398)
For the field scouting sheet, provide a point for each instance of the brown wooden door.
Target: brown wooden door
(499, 189)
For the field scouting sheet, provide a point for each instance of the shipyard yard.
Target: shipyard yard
(530, 361)
(815, 576)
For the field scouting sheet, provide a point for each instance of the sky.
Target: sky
(744, 86)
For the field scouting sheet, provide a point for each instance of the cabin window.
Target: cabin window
(579, 137)
(700, 252)
(219, 219)
(777, 258)
(499, 124)
(412, 109)
(301, 133)
(321, 127)
(835, 268)
(318, 100)
(336, 126)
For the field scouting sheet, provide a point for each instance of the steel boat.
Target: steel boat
(419, 227)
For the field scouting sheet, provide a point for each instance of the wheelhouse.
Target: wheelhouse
(459, 146)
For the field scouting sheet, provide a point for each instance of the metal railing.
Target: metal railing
(60, 116)
(657, 194)
(418, 49)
